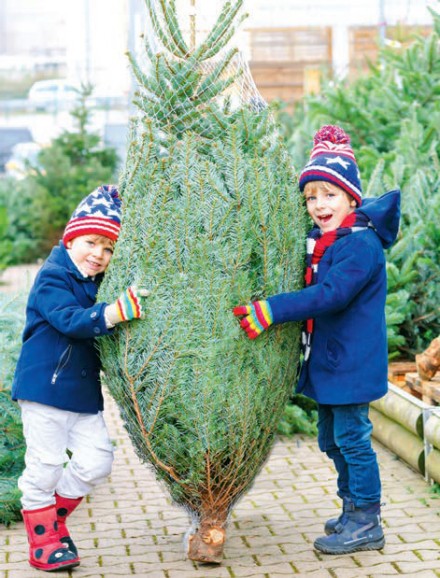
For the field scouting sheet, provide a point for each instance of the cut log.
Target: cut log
(427, 390)
(428, 362)
(399, 440)
(399, 406)
(398, 369)
(432, 430)
(432, 390)
(433, 465)
(206, 544)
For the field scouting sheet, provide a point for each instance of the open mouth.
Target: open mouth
(93, 265)
(325, 218)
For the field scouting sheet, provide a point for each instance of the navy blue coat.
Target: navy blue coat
(59, 362)
(349, 355)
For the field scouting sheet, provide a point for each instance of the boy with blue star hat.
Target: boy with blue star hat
(57, 379)
(345, 362)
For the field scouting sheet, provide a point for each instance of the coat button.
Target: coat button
(97, 330)
(83, 373)
(93, 314)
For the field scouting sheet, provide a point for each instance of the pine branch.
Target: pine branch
(168, 41)
(212, 44)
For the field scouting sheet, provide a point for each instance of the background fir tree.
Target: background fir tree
(34, 210)
(12, 445)
(211, 218)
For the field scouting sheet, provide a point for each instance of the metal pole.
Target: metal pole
(88, 44)
(192, 26)
(131, 44)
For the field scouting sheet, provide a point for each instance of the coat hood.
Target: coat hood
(384, 214)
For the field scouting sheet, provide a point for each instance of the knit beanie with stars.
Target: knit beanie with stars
(97, 214)
(332, 160)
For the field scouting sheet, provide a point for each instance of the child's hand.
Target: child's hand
(258, 317)
(127, 306)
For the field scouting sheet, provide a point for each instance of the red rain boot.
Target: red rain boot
(65, 507)
(46, 552)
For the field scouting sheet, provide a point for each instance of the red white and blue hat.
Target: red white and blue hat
(97, 214)
(332, 160)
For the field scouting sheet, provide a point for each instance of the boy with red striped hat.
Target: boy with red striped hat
(57, 378)
(344, 364)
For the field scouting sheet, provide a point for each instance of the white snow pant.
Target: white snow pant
(49, 432)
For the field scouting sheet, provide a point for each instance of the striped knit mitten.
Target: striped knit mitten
(126, 307)
(257, 317)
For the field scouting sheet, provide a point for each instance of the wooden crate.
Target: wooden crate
(429, 391)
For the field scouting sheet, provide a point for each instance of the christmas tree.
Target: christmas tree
(12, 445)
(211, 219)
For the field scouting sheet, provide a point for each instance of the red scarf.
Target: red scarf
(317, 244)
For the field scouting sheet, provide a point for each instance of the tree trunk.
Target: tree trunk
(206, 542)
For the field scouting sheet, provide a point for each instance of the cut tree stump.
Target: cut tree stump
(206, 544)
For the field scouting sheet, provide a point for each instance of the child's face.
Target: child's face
(92, 253)
(327, 204)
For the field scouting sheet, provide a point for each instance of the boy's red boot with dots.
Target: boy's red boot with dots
(65, 507)
(46, 552)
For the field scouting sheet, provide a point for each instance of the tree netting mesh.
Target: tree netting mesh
(211, 219)
(191, 65)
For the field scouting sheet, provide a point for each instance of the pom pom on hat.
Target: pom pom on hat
(332, 160)
(97, 214)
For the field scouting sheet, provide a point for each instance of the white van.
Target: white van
(52, 95)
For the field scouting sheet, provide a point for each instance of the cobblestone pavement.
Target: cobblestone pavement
(129, 527)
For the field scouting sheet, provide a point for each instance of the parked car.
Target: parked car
(23, 160)
(52, 95)
(10, 136)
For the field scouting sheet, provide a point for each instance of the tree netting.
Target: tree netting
(194, 44)
(211, 219)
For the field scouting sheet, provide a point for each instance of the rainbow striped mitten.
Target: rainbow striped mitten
(258, 317)
(128, 305)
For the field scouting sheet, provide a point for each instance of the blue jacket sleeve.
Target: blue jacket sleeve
(353, 265)
(58, 305)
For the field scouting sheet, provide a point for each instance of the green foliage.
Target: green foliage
(300, 416)
(4, 247)
(393, 117)
(39, 206)
(210, 222)
(12, 446)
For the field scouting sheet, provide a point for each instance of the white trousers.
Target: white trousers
(49, 432)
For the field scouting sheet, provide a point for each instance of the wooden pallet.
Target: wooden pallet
(427, 391)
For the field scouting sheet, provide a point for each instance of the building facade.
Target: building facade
(290, 44)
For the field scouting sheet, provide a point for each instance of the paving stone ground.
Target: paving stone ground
(128, 526)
